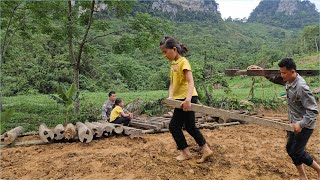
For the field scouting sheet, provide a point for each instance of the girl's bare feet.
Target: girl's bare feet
(207, 152)
(184, 155)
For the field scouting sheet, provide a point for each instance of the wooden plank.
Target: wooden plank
(231, 115)
(156, 123)
(151, 131)
(213, 125)
(25, 143)
(267, 72)
(144, 125)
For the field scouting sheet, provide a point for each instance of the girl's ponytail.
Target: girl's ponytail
(170, 43)
(183, 49)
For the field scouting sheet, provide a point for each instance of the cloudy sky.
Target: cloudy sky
(243, 8)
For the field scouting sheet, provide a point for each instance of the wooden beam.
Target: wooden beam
(231, 115)
(24, 143)
(116, 128)
(145, 125)
(58, 132)
(70, 131)
(131, 131)
(84, 133)
(159, 124)
(46, 135)
(214, 125)
(10, 136)
(97, 131)
(267, 72)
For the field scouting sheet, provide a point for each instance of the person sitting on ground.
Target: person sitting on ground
(107, 106)
(118, 116)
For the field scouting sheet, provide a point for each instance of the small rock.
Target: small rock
(191, 171)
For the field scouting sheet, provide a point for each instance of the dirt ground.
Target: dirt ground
(240, 152)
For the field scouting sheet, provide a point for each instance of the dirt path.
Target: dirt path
(240, 152)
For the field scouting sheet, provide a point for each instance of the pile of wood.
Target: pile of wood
(84, 132)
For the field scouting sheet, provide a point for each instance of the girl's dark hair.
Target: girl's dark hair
(288, 63)
(169, 43)
(117, 102)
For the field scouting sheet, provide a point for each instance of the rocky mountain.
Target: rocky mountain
(181, 10)
(285, 13)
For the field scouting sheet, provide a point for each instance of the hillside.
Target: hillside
(285, 13)
(181, 10)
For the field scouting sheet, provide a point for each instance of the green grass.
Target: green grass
(32, 110)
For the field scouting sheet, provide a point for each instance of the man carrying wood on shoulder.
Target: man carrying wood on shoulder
(302, 114)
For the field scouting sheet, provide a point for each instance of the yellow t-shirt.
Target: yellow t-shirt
(116, 112)
(179, 82)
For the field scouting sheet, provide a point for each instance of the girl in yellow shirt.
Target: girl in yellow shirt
(182, 88)
(117, 115)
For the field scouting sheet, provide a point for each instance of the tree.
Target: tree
(85, 19)
(311, 38)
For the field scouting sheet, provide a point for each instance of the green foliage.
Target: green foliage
(155, 108)
(5, 117)
(66, 97)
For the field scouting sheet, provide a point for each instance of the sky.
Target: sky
(243, 8)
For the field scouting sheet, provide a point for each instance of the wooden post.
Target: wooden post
(46, 135)
(231, 115)
(70, 131)
(10, 136)
(58, 132)
(96, 130)
(84, 133)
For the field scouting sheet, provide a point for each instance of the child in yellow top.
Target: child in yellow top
(182, 88)
(117, 115)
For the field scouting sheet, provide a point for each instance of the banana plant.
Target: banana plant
(66, 97)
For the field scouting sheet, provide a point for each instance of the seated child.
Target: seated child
(117, 115)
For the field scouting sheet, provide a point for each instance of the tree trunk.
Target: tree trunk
(96, 130)
(316, 43)
(117, 128)
(84, 133)
(70, 131)
(5, 42)
(76, 65)
(58, 132)
(46, 135)
(107, 130)
(10, 136)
